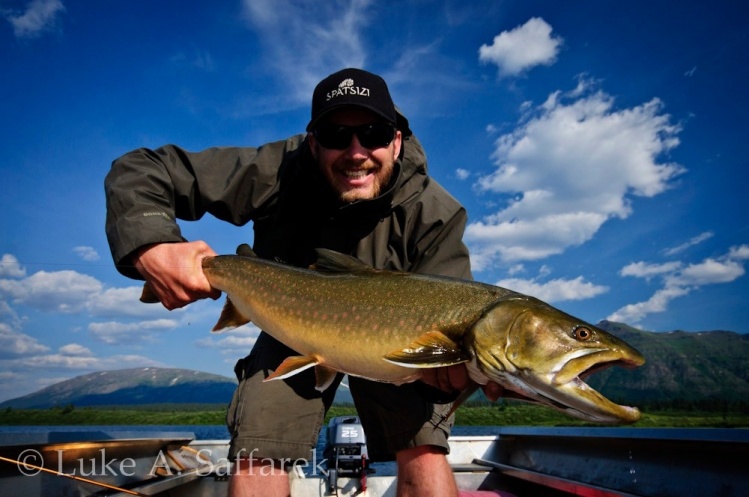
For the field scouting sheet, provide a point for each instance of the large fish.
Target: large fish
(344, 316)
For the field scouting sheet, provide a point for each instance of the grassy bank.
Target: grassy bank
(497, 415)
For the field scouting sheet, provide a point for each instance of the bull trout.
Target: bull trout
(344, 316)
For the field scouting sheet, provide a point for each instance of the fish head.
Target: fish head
(544, 355)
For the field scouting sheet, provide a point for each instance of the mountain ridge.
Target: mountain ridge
(131, 386)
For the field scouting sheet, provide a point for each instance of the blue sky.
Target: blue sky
(599, 147)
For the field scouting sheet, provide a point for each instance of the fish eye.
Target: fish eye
(582, 333)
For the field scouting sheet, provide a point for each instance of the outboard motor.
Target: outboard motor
(346, 451)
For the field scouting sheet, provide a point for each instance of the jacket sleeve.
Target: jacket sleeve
(148, 190)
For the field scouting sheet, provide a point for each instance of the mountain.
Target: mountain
(681, 366)
(137, 386)
(707, 367)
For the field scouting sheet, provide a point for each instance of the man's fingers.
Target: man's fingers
(458, 377)
(447, 379)
(174, 271)
(493, 391)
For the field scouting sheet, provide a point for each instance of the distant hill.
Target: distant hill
(681, 365)
(706, 367)
(137, 386)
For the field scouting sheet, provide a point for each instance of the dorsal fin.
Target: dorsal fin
(245, 251)
(330, 261)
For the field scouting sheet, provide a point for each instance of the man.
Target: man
(356, 183)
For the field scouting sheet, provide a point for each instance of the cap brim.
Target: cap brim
(373, 110)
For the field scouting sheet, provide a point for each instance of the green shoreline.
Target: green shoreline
(509, 415)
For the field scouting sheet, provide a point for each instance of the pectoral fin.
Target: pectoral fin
(293, 365)
(430, 350)
(230, 317)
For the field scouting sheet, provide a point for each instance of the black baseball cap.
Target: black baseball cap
(359, 88)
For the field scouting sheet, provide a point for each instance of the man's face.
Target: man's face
(356, 172)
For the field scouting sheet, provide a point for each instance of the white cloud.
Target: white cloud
(557, 290)
(522, 48)
(634, 313)
(691, 243)
(40, 16)
(116, 333)
(645, 270)
(569, 166)
(62, 291)
(10, 267)
(301, 37)
(124, 302)
(707, 272)
(88, 362)
(15, 344)
(9, 376)
(87, 253)
(74, 349)
(739, 253)
(462, 174)
(70, 292)
(515, 269)
(242, 338)
(680, 280)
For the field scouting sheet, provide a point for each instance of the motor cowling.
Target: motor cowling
(346, 449)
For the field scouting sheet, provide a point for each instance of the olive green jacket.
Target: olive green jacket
(415, 225)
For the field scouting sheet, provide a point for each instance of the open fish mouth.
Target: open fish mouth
(577, 398)
(601, 366)
(570, 393)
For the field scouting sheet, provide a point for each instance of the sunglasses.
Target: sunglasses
(338, 136)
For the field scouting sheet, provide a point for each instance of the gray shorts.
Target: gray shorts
(281, 419)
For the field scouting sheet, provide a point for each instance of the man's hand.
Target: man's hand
(174, 272)
(455, 378)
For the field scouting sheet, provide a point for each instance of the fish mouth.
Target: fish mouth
(575, 396)
(568, 392)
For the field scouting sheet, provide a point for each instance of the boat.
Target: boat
(514, 462)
